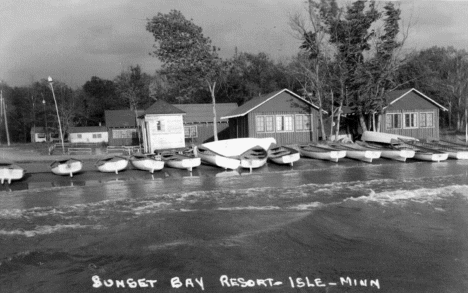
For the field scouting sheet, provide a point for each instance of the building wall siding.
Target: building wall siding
(205, 133)
(286, 138)
(414, 132)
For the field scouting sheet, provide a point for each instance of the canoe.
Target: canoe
(255, 157)
(322, 152)
(425, 153)
(212, 158)
(382, 137)
(397, 152)
(112, 164)
(66, 167)
(357, 152)
(9, 172)
(146, 163)
(455, 151)
(179, 161)
(283, 155)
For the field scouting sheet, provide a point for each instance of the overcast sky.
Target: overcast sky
(73, 40)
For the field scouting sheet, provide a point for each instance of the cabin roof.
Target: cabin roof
(200, 113)
(394, 96)
(86, 129)
(121, 118)
(162, 107)
(258, 101)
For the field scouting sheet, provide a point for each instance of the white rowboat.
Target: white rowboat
(112, 164)
(9, 172)
(254, 158)
(395, 152)
(179, 161)
(146, 163)
(321, 152)
(284, 155)
(382, 137)
(66, 167)
(212, 158)
(357, 152)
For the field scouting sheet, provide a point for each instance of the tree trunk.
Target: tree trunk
(362, 122)
(338, 119)
(332, 116)
(215, 126)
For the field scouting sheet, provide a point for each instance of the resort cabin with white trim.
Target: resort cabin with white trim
(411, 113)
(284, 115)
(88, 134)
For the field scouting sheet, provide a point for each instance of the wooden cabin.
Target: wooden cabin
(122, 127)
(88, 134)
(284, 115)
(411, 113)
(162, 127)
(198, 121)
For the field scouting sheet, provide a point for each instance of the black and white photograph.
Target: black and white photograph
(234, 146)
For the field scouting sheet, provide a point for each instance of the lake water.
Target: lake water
(346, 227)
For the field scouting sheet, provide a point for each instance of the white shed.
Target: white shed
(88, 134)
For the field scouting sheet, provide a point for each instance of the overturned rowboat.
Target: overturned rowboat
(66, 167)
(112, 164)
(9, 172)
(395, 151)
(284, 155)
(146, 163)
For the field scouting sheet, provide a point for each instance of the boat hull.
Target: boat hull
(318, 153)
(460, 155)
(113, 165)
(284, 155)
(147, 164)
(216, 160)
(364, 155)
(11, 172)
(188, 163)
(397, 155)
(432, 157)
(68, 167)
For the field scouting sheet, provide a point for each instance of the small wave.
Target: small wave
(266, 208)
(42, 230)
(422, 195)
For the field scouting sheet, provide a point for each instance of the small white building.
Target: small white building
(38, 134)
(88, 134)
(162, 127)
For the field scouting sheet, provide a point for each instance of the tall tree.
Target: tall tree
(188, 56)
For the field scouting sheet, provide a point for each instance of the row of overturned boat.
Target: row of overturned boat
(251, 153)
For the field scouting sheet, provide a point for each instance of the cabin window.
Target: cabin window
(124, 133)
(284, 123)
(160, 126)
(426, 120)
(303, 122)
(264, 123)
(190, 131)
(393, 121)
(97, 135)
(41, 135)
(411, 120)
(78, 136)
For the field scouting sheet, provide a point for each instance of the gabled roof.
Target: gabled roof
(162, 107)
(258, 101)
(199, 113)
(38, 129)
(396, 95)
(121, 118)
(87, 129)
